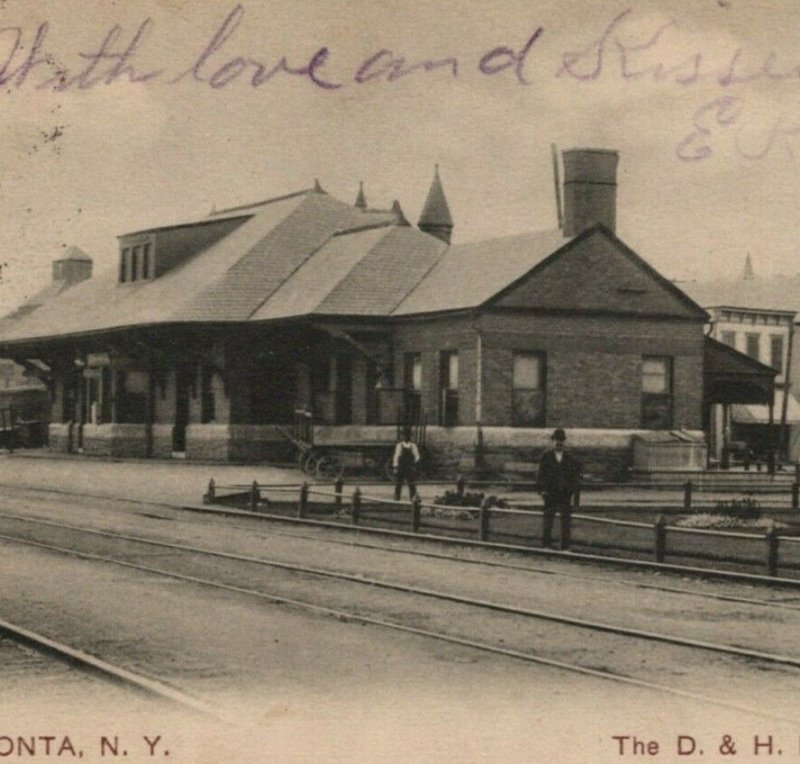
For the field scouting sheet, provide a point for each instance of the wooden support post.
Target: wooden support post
(416, 512)
(660, 528)
(795, 495)
(772, 551)
(356, 506)
(797, 472)
(576, 498)
(211, 493)
(255, 496)
(483, 521)
(339, 488)
(461, 485)
(302, 504)
(687, 495)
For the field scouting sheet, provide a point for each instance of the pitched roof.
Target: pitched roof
(305, 254)
(758, 293)
(467, 275)
(435, 211)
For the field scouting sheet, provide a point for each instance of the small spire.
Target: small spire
(318, 189)
(748, 268)
(399, 214)
(361, 200)
(435, 217)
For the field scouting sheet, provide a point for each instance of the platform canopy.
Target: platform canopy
(748, 413)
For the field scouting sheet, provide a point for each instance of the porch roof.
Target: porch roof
(733, 377)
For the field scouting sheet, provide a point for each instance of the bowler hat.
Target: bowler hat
(559, 434)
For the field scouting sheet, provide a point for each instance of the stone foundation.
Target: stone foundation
(162, 441)
(59, 437)
(237, 443)
(116, 440)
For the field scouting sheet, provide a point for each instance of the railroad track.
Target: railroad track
(353, 615)
(96, 667)
(526, 552)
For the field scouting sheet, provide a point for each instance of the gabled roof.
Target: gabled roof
(308, 254)
(779, 293)
(596, 271)
(466, 275)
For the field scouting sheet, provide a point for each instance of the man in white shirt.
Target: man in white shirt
(404, 462)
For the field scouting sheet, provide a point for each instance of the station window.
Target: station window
(412, 386)
(729, 338)
(448, 388)
(656, 392)
(528, 389)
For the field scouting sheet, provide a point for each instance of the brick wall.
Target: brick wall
(593, 376)
(429, 338)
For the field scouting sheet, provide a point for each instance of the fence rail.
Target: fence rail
(518, 524)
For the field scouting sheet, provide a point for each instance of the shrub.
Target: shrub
(469, 499)
(739, 509)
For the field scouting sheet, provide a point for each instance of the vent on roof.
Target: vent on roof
(632, 287)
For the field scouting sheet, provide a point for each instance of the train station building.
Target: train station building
(208, 336)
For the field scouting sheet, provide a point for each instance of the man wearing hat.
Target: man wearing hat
(557, 480)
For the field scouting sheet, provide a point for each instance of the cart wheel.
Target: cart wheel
(329, 467)
(310, 464)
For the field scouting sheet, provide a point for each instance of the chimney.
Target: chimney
(74, 267)
(590, 189)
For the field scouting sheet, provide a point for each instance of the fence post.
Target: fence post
(795, 495)
(483, 520)
(302, 504)
(254, 496)
(356, 506)
(339, 488)
(576, 498)
(797, 472)
(660, 528)
(772, 550)
(211, 493)
(416, 511)
(687, 495)
(460, 486)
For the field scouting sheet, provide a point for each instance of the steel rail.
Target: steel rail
(430, 593)
(625, 562)
(105, 670)
(439, 636)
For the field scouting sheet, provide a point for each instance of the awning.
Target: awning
(749, 413)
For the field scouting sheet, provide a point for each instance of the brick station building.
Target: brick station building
(210, 333)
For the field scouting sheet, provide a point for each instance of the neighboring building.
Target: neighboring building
(757, 317)
(24, 392)
(208, 334)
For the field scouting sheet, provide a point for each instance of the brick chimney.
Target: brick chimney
(74, 267)
(590, 189)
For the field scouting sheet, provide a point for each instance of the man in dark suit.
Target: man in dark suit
(557, 480)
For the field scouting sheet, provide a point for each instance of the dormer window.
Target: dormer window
(123, 264)
(136, 262)
(146, 261)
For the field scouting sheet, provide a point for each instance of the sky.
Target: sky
(119, 116)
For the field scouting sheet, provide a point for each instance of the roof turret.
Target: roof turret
(435, 217)
(361, 200)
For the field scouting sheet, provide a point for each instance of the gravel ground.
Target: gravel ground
(306, 688)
